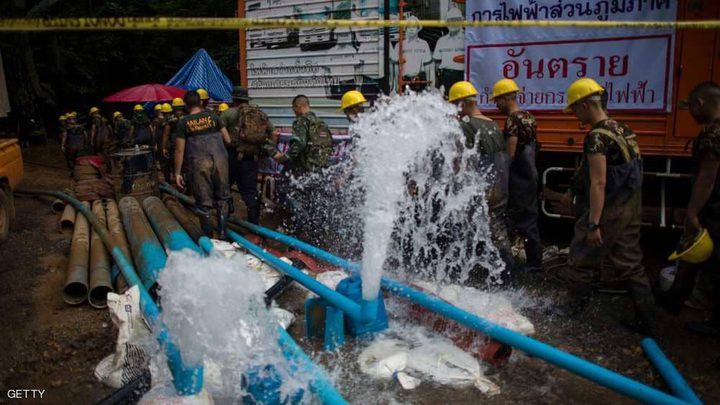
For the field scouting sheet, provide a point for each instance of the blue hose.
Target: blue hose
(672, 376)
(584, 368)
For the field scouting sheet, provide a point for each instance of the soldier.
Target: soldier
(309, 152)
(200, 138)
(609, 210)
(100, 132)
(122, 130)
(520, 136)
(141, 131)
(483, 133)
(74, 142)
(250, 133)
(168, 136)
(703, 211)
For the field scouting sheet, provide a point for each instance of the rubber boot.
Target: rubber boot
(206, 226)
(578, 298)
(223, 210)
(645, 309)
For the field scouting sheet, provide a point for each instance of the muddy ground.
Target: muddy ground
(49, 345)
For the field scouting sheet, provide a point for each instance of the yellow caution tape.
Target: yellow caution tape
(177, 23)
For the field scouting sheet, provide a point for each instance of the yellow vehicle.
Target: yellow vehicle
(11, 174)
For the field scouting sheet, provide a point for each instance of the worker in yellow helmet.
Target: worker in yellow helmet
(520, 133)
(702, 217)
(121, 128)
(204, 97)
(74, 143)
(352, 104)
(100, 132)
(608, 209)
(141, 132)
(167, 164)
(158, 124)
(166, 108)
(483, 135)
(222, 107)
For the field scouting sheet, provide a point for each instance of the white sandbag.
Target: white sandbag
(164, 394)
(494, 307)
(285, 318)
(129, 359)
(269, 275)
(226, 248)
(329, 279)
(383, 358)
(442, 361)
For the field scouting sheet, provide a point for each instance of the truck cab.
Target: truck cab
(11, 174)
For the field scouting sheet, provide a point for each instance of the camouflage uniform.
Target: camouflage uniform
(523, 182)
(243, 158)
(311, 144)
(486, 136)
(708, 142)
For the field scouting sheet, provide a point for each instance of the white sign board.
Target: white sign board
(633, 65)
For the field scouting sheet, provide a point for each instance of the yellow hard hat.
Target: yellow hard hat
(699, 252)
(166, 108)
(158, 107)
(137, 107)
(94, 110)
(504, 86)
(178, 102)
(352, 98)
(581, 89)
(223, 106)
(62, 118)
(71, 114)
(203, 94)
(461, 90)
(117, 114)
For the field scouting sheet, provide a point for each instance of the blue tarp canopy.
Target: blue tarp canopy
(202, 72)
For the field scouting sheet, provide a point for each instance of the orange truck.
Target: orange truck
(383, 60)
(11, 174)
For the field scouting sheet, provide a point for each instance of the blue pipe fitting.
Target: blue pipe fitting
(667, 370)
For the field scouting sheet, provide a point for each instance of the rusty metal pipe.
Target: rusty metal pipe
(67, 220)
(100, 280)
(171, 234)
(117, 234)
(185, 217)
(149, 255)
(75, 290)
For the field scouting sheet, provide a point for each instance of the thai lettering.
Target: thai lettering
(614, 60)
(531, 10)
(601, 65)
(511, 68)
(538, 73)
(556, 65)
(582, 72)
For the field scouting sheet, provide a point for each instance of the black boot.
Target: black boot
(645, 309)
(223, 210)
(578, 298)
(205, 225)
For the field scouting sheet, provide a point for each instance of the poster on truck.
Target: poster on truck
(633, 65)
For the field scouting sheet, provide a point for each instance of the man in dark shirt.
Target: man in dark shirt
(606, 244)
(703, 208)
(520, 136)
(200, 138)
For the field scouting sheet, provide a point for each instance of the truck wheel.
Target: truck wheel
(4, 215)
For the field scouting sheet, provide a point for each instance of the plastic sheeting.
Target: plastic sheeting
(200, 71)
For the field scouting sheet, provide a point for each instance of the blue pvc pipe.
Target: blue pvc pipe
(581, 367)
(171, 233)
(188, 380)
(672, 376)
(345, 304)
(319, 383)
(149, 254)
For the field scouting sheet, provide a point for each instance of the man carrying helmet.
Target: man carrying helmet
(482, 133)
(520, 136)
(100, 132)
(606, 243)
(703, 211)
